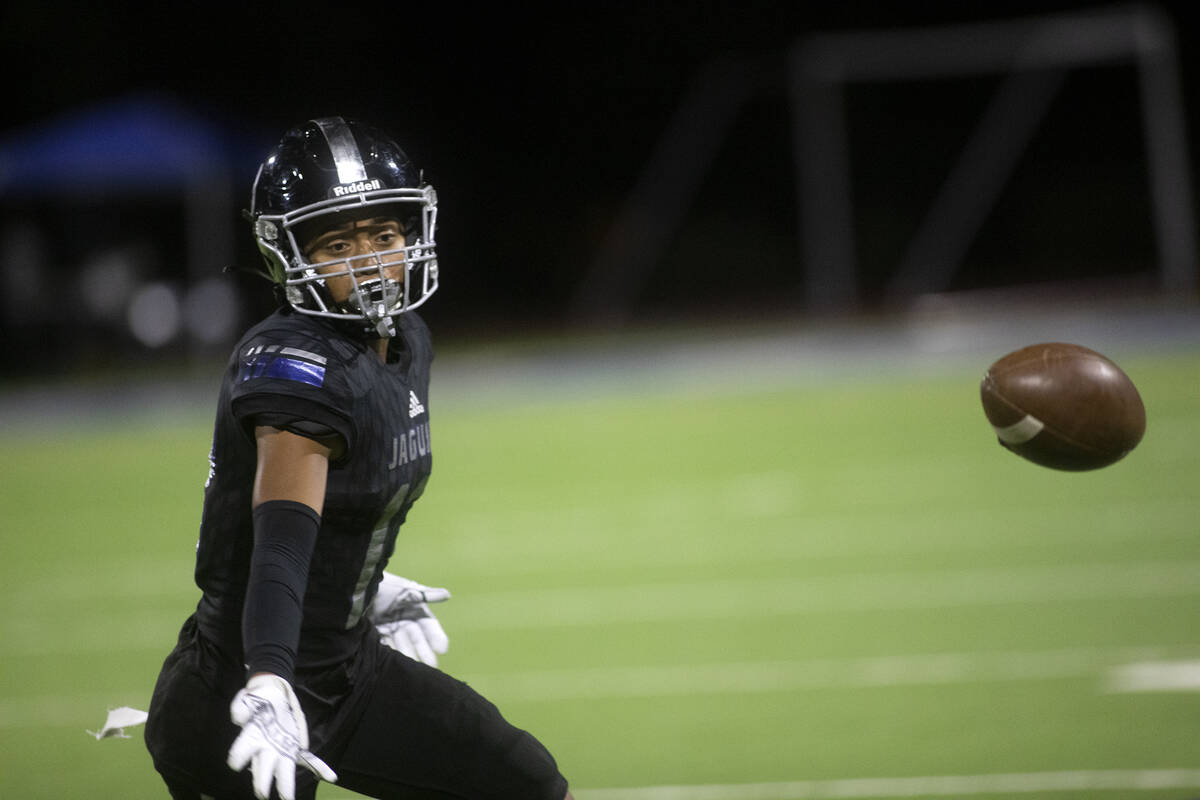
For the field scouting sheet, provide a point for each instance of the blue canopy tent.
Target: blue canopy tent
(137, 145)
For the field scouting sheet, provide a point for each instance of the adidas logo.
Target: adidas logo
(414, 405)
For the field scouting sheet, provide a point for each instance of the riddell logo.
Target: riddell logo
(355, 188)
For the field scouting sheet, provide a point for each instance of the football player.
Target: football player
(302, 649)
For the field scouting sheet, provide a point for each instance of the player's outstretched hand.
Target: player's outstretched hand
(274, 737)
(401, 615)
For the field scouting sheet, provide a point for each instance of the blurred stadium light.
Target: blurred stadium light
(1033, 54)
(154, 314)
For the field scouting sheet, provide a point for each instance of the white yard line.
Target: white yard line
(730, 599)
(924, 786)
(1156, 676)
(694, 600)
(1040, 783)
(68, 710)
(817, 674)
(702, 679)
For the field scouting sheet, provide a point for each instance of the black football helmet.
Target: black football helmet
(327, 171)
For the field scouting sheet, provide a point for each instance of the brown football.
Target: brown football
(1063, 406)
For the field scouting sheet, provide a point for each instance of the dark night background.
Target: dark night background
(535, 122)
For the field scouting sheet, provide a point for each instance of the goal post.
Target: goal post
(1031, 55)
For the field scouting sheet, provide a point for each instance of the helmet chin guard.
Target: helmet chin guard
(323, 174)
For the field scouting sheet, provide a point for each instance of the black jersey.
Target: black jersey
(300, 373)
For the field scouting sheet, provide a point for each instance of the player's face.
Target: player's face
(356, 243)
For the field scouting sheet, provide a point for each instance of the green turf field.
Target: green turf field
(774, 592)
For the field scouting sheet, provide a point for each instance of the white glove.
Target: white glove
(274, 737)
(401, 614)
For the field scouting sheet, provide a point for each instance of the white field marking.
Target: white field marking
(519, 551)
(58, 711)
(93, 632)
(1155, 676)
(1121, 780)
(730, 599)
(694, 679)
(88, 631)
(166, 582)
(814, 674)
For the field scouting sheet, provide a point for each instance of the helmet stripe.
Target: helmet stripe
(341, 142)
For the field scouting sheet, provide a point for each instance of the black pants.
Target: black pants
(390, 727)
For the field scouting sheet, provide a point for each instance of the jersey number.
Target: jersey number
(374, 555)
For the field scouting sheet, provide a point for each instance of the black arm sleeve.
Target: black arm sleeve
(285, 533)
